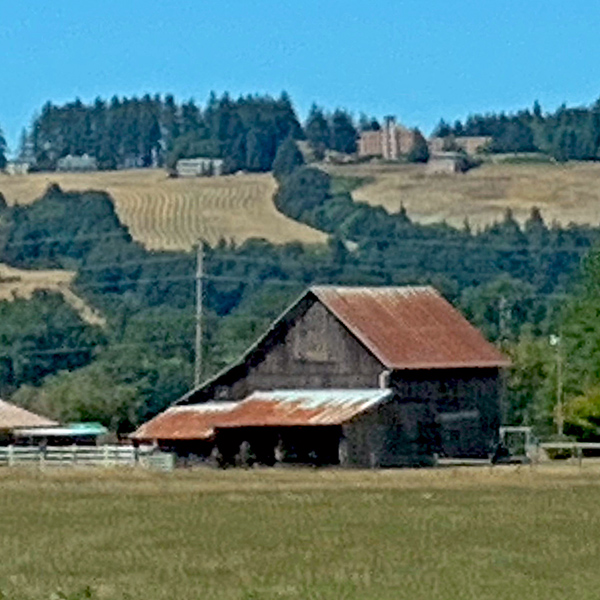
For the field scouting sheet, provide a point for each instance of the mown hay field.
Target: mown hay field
(172, 214)
(565, 193)
(477, 534)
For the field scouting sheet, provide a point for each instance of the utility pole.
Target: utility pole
(559, 412)
(199, 303)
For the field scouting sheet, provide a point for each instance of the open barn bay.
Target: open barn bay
(447, 534)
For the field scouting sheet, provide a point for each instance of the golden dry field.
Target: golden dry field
(22, 283)
(565, 193)
(172, 214)
(451, 534)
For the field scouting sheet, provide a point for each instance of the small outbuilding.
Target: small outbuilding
(77, 163)
(446, 163)
(356, 376)
(80, 434)
(199, 167)
(13, 418)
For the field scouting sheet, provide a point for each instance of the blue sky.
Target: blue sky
(421, 60)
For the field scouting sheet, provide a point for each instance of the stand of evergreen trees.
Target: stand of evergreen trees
(566, 134)
(156, 131)
(246, 132)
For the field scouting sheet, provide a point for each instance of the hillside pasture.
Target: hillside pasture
(567, 193)
(23, 283)
(173, 214)
(476, 534)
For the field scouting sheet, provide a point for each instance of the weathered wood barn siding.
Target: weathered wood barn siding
(447, 412)
(463, 403)
(310, 350)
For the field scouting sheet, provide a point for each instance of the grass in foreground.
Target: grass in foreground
(451, 534)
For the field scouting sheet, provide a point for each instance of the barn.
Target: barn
(370, 377)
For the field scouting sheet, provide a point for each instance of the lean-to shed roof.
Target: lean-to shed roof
(279, 408)
(13, 417)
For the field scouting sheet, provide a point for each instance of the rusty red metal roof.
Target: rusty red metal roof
(279, 408)
(410, 327)
(296, 408)
(188, 422)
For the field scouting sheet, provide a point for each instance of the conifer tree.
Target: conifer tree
(287, 159)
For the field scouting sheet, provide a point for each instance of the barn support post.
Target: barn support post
(343, 452)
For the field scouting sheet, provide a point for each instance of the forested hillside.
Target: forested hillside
(510, 280)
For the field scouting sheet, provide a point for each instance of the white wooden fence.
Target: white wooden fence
(86, 456)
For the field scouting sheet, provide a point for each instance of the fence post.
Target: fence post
(11, 457)
(106, 456)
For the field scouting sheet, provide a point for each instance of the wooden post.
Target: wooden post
(11, 457)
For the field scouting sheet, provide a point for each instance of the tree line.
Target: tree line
(157, 131)
(565, 134)
(246, 132)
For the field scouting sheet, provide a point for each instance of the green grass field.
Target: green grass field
(449, 534)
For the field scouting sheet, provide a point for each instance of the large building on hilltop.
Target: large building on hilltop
(359, 376)
(390, 142)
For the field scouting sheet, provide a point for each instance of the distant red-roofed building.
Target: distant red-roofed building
(364, 376)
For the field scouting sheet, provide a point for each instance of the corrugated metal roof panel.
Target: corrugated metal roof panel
(410, 327)
(280, 408)
(304, 407)
(72, 430)
(12, 416)
(188, 422)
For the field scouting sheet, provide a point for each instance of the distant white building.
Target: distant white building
(199, 167)
(17, 167)
(77, 163)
